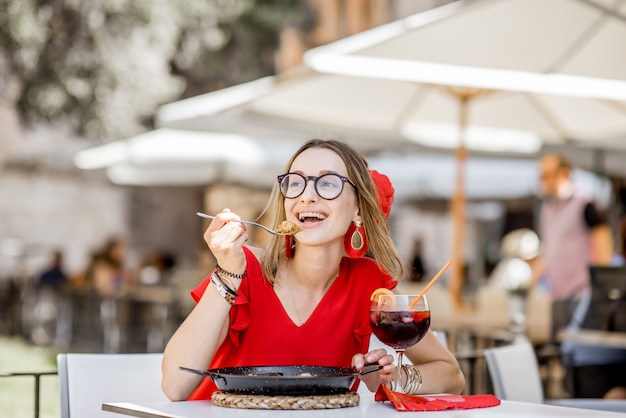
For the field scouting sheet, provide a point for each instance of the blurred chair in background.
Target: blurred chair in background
(514, 373)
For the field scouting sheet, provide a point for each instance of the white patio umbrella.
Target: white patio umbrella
(500, 76)
(386, 85)
(181, 157)
(498, 66)
(426, 176)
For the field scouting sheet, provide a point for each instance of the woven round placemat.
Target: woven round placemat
(232, 400)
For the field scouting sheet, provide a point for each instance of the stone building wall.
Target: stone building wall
(41, 212)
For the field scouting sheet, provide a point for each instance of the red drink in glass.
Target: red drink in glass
(400, 321)
(400, 329)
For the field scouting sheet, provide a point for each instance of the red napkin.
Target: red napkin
(404, 402)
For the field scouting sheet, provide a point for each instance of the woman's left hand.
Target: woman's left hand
(375, 379)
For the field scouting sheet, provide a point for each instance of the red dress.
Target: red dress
(262, 334)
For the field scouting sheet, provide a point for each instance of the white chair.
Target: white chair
(514, 373)
(88, 380)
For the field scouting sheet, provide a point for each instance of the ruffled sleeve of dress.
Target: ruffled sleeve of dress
(239, 320)
(240, 311)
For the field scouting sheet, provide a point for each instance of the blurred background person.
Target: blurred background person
(54, 276)
(593, 370)
(110, 278)
(52, 311)
(156, 268)
(574, 235)
(107, 272)
(597, 371)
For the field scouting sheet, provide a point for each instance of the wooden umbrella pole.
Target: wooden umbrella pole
(458, 208)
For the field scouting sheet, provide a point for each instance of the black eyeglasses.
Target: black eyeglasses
(329, 186)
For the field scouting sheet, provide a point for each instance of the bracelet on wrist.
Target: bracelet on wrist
(228, 294)
(229, 289)
(229, 274)
(413, 382)
(227, 283)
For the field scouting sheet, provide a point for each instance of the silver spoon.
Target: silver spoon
(271, 231)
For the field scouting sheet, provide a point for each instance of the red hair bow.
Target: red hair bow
(385, 191)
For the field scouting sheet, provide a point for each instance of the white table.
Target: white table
(366, 409)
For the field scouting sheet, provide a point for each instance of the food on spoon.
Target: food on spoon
(288, 227)
(376, 297)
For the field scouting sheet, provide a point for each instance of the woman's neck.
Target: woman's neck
(314, 269)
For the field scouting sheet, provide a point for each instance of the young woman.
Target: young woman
(303, 300)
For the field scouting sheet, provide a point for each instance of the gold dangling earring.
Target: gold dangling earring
(356, 240)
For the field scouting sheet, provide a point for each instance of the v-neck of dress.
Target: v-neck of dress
(319, 304)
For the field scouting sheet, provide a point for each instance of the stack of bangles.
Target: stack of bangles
(413, 382)
(221, 281)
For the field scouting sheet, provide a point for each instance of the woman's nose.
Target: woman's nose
(309, 194)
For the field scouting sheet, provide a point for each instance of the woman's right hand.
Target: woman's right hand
(382, 377)
(226, 236)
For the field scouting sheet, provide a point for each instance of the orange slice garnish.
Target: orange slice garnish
(376, 297)
(378, 292)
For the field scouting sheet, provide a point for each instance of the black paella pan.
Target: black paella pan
(282, 380)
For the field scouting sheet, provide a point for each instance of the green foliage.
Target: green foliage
(104, 66)
(17, 393)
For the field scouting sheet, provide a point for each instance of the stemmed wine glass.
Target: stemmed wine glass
(400, 321)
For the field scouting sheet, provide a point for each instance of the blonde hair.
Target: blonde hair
(381, 246)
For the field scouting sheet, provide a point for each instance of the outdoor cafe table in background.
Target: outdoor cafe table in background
(607, 339)
(366, 409)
